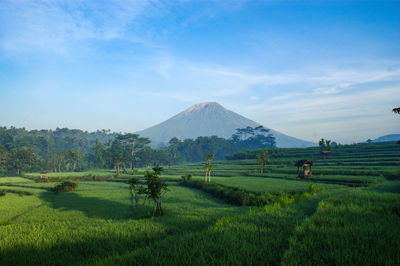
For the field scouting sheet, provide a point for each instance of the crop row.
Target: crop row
(237, 196)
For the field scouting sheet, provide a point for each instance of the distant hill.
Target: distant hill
(391, 137)
(208, 119)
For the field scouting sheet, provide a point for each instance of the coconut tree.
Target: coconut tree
(209, 166)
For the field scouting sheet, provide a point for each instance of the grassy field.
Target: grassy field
(349, 219)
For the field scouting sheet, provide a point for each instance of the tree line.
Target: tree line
(77, 150)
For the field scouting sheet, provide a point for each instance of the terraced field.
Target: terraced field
(350, 214)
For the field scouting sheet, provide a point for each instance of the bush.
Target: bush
(2, 193)
(133, 181)
(66, 186)
(186, 178)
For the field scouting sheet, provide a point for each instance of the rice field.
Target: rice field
(353, 218)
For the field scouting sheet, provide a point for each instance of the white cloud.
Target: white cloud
(51, 25)
(341, 115)
(326, 90)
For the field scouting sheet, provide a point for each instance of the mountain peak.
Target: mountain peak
(210, 119)
(203, 105)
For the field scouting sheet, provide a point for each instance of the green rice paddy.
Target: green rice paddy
(353, 219)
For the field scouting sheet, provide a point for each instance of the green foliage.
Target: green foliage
(3, 160)
(262, 160)
(133, 182)
(253, 138)
(66, 186)
(23, 159)
(133, 185)
(192, 150)
(155, 188)
(186, 178)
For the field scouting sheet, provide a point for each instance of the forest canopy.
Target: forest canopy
(66, 149)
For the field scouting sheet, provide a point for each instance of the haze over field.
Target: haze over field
(308, 69)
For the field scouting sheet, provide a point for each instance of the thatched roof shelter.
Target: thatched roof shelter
(304, 164)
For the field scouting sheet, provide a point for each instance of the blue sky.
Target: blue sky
(309, 69)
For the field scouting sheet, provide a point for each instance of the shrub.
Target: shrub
(2, 193)
(186, 178)
(133, 181)
(66, 186)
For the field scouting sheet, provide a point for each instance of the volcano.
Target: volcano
(210, 119)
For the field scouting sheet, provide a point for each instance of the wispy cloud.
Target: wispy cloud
(172, 95)
(55, 25)
(324, 113)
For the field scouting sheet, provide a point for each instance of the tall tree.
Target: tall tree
(209, 166)
(74, 157)
(57, 159)
(130, 138)
(117, 152)
(23, 159)
(100, 152)
(262, 160)
(3, 160)
(173, 149)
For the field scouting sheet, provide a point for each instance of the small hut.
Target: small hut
(304, 164)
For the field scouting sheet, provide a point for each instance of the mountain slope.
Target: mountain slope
(391, 137)
(208, 119)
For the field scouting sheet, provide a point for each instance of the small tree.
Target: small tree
(133, 182)
(262, 160)
(155, 188)
(209, 166)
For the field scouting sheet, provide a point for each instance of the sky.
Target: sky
(309, 69)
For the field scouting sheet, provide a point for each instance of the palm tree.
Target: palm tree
(208, 166)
